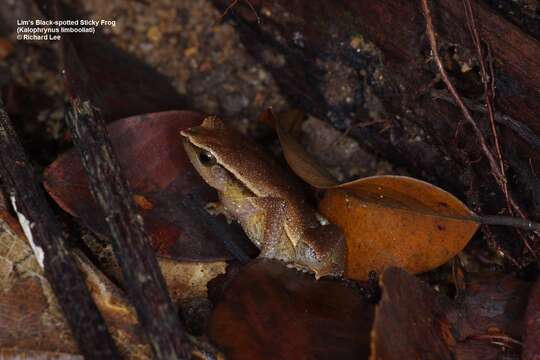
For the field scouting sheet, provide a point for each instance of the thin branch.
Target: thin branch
(488, 80)
(44, 234)
(493, 163)
(519, 128)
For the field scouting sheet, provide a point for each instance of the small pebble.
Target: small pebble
(154, 34)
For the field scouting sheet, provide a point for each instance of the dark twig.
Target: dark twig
(515, 222)
(44, 234)
(144, 281)
(488, 79)
(493, 163)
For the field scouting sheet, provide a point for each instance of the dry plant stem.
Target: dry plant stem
(489, 91)
(494, 166)
(45, 233)
(143, 279)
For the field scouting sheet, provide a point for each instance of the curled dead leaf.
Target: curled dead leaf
(300, 161)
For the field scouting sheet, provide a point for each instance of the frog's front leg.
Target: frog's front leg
(271, 218)
(216, 208)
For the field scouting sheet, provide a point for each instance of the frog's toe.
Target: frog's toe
(216, 208)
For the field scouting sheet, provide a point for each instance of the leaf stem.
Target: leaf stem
(508, 221)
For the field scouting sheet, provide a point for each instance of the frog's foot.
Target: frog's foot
(299, 268)
(216, 208)
(323, 251)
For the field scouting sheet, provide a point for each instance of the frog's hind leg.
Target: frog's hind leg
(274, 243)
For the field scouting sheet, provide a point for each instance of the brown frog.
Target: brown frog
(266, 202)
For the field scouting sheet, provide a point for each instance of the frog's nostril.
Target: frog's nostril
(206, 158)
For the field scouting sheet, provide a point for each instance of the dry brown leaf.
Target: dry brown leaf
(30, 317)
(300, 161)
(185, 280)
(117, 312)
(387, 220)
(188, 280)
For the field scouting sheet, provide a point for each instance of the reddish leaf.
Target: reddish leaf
(169, 193)
(411, 320)
(269, 311)
(491, 317)
(414, 321)
(495, 303)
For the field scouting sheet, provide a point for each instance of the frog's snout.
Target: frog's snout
(186, 133)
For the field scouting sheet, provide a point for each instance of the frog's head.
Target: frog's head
(324, 251)
(203, 145)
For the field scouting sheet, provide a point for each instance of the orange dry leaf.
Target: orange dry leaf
(397, 221)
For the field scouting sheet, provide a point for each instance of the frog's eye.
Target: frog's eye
(206, 158)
